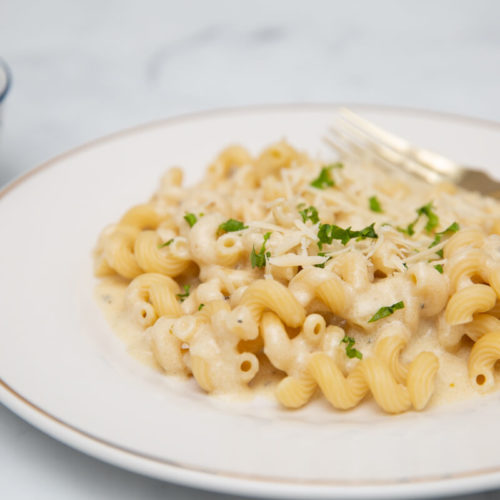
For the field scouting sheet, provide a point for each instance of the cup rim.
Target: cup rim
(8, 80)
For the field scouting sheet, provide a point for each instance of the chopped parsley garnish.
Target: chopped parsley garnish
(166, 244)
(367, 232)
(322, 265)
(432, 220)
(259, 259)
(309, 213)
(324, 178)
(185, 295)
(439, 267)
(230, 226)
(409, 229)
(200, 307)
(191, 219)
(375, 204)
(385, 311)
(350, 350)
(451, 229)
(329, 232)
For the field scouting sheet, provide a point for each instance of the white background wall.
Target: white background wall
(86, 68)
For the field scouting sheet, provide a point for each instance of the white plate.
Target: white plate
(63, 370)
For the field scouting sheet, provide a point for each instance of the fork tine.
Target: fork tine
(348, 146)
(390, 154)
(426, 159)
(342, 149)
(353, 134)
(380, 148)
(371, 130)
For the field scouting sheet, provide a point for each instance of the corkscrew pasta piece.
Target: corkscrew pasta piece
(119, 251)
(141, 217)
(480, 325)
(469, 264)
(152, 295)
(333, 293)
(465, 238)
(232, 156)
(419, 375)
(385, 258)
(279, 155)
(153, 257)
(172, 179)
(353, 268)
(228, 249)
(290, 356)
(201, 372)
(420, 380)
(342, 392)
(264, 295)
(463, 266)
(203, 239)
(389, 395)
(284, 215)
(388, 349)
(295, 392)
(484, 354)
(468, 301)
(166, 348)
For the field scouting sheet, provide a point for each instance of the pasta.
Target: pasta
(340, 281)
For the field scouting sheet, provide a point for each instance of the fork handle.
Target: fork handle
(476, 180)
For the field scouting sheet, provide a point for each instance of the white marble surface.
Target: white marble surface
(86, 68)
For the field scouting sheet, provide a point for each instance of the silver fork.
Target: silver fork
(353, 136)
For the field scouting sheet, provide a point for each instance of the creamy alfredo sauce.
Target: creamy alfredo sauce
(451, 383)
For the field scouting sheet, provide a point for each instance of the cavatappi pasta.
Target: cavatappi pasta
(346, 280)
